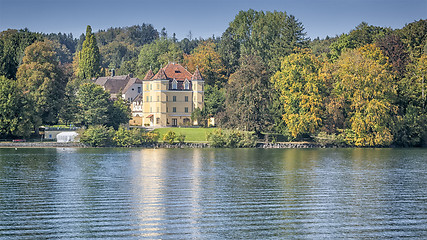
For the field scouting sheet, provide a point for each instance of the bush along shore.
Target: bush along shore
(101, 136)
(162, 145)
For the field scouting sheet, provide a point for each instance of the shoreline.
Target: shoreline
(282, 145)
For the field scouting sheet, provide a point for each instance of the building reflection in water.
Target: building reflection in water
(148, 186)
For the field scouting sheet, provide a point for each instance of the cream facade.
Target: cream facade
(169, 97)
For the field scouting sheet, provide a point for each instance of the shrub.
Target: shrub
(180, 138)
(132, 137)
(169, 137)
(216, 138)
(231, 139)
(150, 137)
(98, 136)
(122, 137)
(247, 140)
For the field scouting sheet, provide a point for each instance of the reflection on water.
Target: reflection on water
(213, 193)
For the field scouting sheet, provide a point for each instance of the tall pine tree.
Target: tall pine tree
(89, 58)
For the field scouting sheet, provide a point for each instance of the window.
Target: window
(174, 84)
(151, 86)
(167, 109)
(167, 98)
(147, 86)
(174, 109)
(186, 109)
(158, 98)
(186, 84)
(157, 120)
(147, 99)
(158, 86)
(151, 109)
(186, 98)
(151, 98)
(174, 98)
(139, 89)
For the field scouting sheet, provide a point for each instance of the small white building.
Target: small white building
(67, 137)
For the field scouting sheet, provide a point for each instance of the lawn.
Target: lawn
(191, 134)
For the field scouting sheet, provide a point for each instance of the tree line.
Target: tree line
(363, 88)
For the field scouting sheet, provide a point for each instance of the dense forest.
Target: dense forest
(362, 88)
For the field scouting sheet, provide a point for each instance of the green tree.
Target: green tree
(214, 100)
(128, 67)
(269, 35)
(248, 97)
(411, 125)
(89, 57)
(196, 115)
(12, 47)
(301, 93)
(156, 55)
(15, 110)
(363, 34)
(414, 36)
(119, 113)
(93, 105)
(116, 53)
(98, 136)
(44, 79)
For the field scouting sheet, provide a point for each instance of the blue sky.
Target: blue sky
(203, 18)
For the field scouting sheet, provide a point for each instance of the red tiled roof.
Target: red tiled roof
(149, 75)
(160, 75)
(197, 75)
(173, 71)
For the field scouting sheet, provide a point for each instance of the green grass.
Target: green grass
(191, 134)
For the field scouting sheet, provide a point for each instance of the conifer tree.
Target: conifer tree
(89, 58)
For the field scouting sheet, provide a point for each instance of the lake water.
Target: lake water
(69, 193)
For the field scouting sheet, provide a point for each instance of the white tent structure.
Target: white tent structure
(67, 137)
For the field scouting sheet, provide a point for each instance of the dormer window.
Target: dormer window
(174, 84)
(186, 84)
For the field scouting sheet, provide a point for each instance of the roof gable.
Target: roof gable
(160, 75)
(149, 75)
(173, 71)
(197, 75)
(130, 83)
(113, 84)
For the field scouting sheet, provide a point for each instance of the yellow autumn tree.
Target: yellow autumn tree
(208, 61)
(364, 80)
(301, 92)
